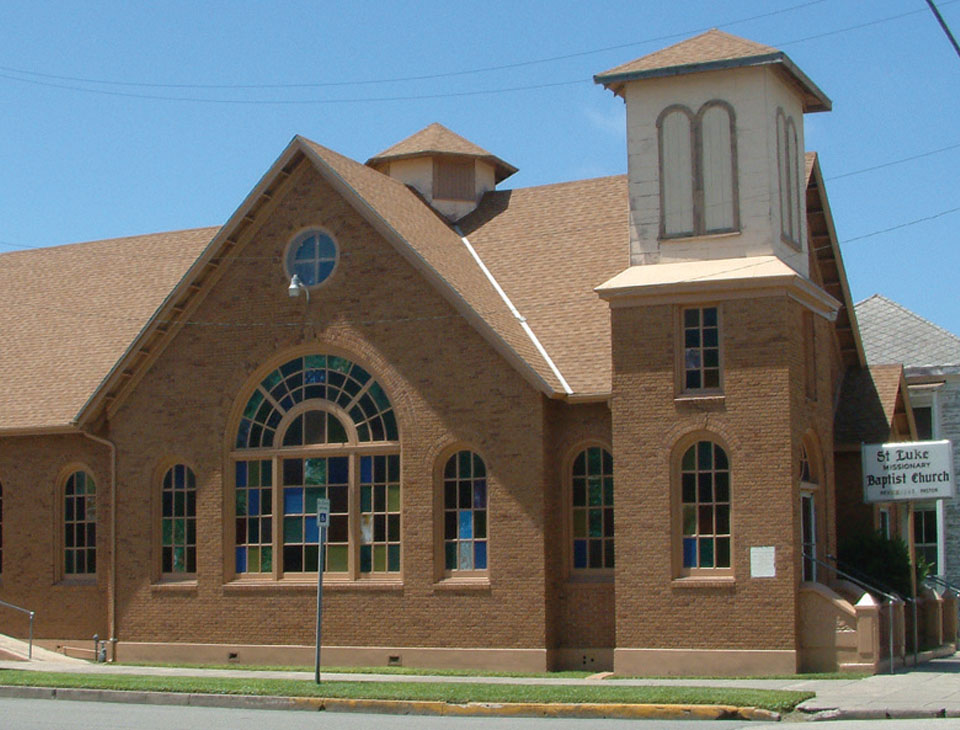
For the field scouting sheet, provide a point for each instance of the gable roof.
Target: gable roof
(68, 313)
(713, 51)
(436, 139)
(871, 408)
(893, 334)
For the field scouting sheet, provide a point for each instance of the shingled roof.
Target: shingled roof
(68, 313)
(548, 247)
(870, 408)
(893, 334)
(436, 139)
(712, 51)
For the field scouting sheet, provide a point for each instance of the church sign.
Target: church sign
(918, 470)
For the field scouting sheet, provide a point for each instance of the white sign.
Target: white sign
(763, 562)
(917, 470)
(323, 513)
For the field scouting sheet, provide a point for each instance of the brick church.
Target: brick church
(589, 424)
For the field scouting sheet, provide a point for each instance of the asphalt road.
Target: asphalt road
(60, 714)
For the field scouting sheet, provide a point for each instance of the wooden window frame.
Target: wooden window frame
(604, 570)
(697, 177)
(681, 570)
(681, 361)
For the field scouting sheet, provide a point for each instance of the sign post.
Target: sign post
(323, 520)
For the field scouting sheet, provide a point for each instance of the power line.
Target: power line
(404, 79)
(943, 24)
(902, 225)
(381, 99)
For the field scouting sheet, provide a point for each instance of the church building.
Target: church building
(580, 425)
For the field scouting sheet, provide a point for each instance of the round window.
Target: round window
(312, 256)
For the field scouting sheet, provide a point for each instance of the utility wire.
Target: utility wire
(943, 24)
(413, 97)
(404, 79)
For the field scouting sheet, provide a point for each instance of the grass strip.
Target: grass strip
(400, 671)
(776, 700)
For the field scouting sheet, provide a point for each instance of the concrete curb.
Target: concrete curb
(399, 707)
(875, 714)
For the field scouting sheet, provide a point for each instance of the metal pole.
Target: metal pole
(30, 645)
(320, 565)
(891, 635)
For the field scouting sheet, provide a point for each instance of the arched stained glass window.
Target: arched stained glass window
(465, 526)
(592, 509)
(705, 503)
(314, 420)
(178, 526)
(80, 525)
(327, 377)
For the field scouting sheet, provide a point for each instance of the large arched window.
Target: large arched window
(178, 521)
(465, 526)
(79, 525)
(317, 427)
(698, 170)
(591, 491)
(705, 508)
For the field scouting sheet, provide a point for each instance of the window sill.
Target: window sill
(711, 398)
(78, 581)
(687, 238)
(329, 584)
(462, 584)
(174, 585)
(700, 581)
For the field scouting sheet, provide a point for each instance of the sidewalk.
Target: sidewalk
(932, 690)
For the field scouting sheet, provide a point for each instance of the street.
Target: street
(17, 714)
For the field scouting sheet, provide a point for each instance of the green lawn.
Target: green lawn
(778, 701)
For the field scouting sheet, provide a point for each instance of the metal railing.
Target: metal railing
(31, 615)
(892, 598)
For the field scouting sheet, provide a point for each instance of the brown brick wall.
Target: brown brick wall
(753, 422)
(449, 388)
(32, 472)
(580, 609)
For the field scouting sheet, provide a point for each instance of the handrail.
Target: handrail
(891, 599)
(31, 614)
(942, 583)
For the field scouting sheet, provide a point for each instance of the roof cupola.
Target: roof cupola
(450, 172)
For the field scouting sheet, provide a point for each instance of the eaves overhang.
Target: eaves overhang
(814, 100)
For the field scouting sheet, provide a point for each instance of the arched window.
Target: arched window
(79, 525)
(322, 428)
(705, 507)
(465, 527)
(698, 170)
(178, 521)
(791, 189)
(809, 483)
(592, 509)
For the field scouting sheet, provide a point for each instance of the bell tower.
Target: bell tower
(716, 151)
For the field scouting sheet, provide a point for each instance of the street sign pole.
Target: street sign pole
(323, 519)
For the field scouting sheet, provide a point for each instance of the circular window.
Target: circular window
(312, 256)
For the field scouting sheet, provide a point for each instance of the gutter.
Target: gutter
(112, 579)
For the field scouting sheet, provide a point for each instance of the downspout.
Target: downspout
(112, 581)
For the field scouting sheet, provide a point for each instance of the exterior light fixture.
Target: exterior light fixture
(296, 286)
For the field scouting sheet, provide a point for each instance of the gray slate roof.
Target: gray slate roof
(892, 333)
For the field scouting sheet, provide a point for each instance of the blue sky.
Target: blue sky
(201, 97)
